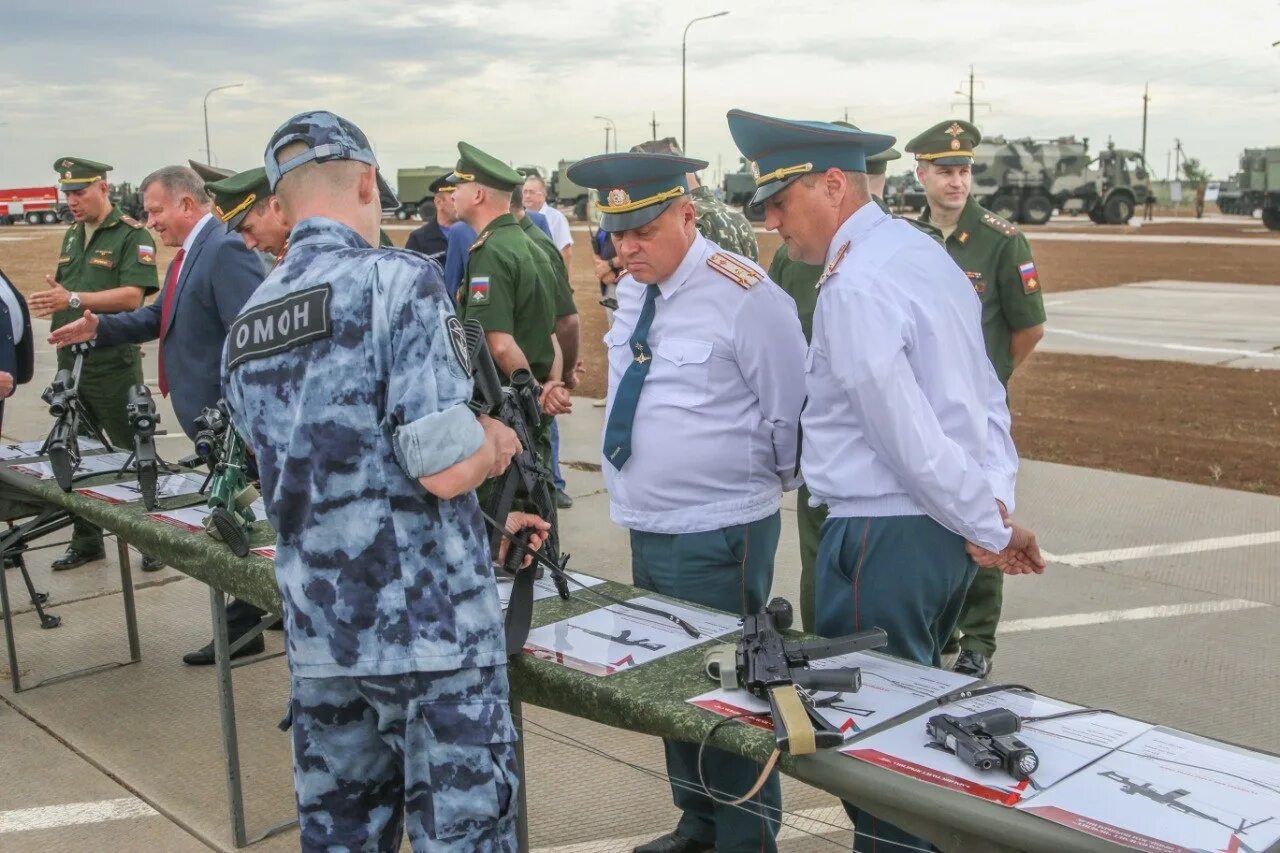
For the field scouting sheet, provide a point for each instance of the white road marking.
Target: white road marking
(1159, 611)
(1239, 353)
(68, 814)
(1150, 239)
(1168, 549)
(810, 821)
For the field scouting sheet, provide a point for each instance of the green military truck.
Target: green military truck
(413, 186)
(563, 192)
(1026, 180)
(739, 187)
(1258, 186)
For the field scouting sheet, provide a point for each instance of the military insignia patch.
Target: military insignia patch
(67, 164)
(1030, 280)
(130, 221)
(66, 176)
(979, 283)
(458, 340)
(954, 131)
(955, 145)
(105, 263)
(479, 241)
(147, 255)
(618, 197)
(755, 170)
(479, 290)
(733, 269)
(280, 325)
(833, 266)
(962, 237)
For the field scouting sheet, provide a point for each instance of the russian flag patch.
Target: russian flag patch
(479, 289)
(1030, 279)
(147, 255)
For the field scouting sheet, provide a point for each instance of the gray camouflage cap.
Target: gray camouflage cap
(328, 136)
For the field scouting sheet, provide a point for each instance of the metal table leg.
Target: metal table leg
(130, 610)
(15, 677)
(227, 713)
(222, 651)
(522, 817)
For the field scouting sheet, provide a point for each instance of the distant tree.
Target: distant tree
(1193, 172)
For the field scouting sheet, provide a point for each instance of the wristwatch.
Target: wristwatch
(74, 302)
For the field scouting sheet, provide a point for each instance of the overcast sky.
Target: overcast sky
(123, 83)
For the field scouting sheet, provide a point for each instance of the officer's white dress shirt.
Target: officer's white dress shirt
(905, 413)
(714, 437)
(561, 235)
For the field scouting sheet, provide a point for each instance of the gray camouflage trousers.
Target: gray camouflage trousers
(432, 753)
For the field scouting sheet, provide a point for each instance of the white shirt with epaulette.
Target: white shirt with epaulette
(714, 438)
(905, 415)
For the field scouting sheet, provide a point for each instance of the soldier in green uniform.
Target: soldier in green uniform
(503, 283)
(997, 259)
(718, 222)
(107, 264)
(556, 274)
(799, 280)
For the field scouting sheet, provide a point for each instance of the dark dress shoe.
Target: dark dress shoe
(973, 663)
(151, 564)
(204, 656)
(73, 559)
(563, 501)
(674, 842)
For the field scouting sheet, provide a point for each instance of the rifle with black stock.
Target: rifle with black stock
(230, 493)
(70, 417)
(525, 486)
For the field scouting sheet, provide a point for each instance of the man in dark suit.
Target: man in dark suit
(432, 239)
(207, 283)
(17, 354)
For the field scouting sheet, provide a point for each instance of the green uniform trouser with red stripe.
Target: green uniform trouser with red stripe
(907, 575)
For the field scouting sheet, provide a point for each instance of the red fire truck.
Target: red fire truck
(37, 205)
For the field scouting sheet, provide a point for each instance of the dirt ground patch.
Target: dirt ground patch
(1212, 425)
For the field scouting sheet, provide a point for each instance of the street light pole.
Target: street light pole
(683, 77)
(606, 133)
(208, 152)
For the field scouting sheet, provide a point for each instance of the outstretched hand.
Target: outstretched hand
(76, 332)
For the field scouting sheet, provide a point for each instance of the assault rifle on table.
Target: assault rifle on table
(231, 495)
(524, 486)
(63, 443)
(776, 669)
(141, 410)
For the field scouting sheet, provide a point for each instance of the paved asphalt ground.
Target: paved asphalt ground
(1160, 601)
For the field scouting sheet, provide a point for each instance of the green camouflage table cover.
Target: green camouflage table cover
(648, 699)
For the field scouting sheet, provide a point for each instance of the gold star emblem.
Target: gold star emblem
(618, 197)
(954, 131)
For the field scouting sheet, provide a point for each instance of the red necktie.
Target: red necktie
(166, 311)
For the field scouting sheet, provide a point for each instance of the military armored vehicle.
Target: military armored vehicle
(1259, 184)
(1026, 180)
(127, 198)
(563, 192)
(738, 188)
(413, 186)
(904, 192)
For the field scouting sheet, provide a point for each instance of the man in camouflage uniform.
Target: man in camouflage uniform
(718, 222)
(393, 625)
(107, 265)
(800, 281)
(997, 259)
